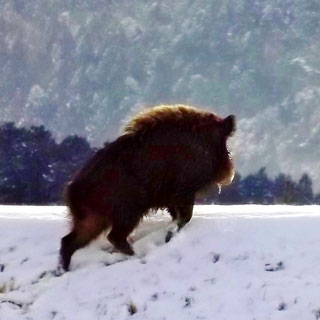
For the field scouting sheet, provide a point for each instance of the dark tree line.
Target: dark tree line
(34, 169)
(258, 188)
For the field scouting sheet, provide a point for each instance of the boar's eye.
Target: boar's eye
(229, 125)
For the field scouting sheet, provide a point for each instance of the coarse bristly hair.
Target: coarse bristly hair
(169, 115)
(164, 157)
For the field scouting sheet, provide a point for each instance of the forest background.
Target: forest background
(72, 69)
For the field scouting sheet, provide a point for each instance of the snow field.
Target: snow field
(236, 262)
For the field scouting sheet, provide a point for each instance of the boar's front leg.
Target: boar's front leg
(173, 213)
(182, 214)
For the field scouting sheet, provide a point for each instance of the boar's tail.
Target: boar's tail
(72, 199)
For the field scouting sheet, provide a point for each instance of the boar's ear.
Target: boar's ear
(229, 125)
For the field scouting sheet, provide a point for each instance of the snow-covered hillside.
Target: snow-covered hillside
(237, 262)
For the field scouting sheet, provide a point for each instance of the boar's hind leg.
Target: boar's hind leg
(83, 232)
(122, 225)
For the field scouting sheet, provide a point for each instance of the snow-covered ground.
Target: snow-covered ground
(229, 262)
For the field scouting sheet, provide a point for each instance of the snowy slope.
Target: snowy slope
(236, 262)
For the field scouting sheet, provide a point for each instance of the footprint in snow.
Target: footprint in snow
(279, 266)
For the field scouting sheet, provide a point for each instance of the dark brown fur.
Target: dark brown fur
(165, 156)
